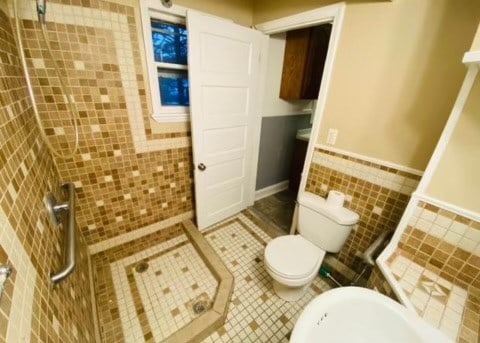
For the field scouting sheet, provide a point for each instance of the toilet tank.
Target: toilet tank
(325, 226)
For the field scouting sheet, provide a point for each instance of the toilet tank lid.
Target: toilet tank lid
(340, 215)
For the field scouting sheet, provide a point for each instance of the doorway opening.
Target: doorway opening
(237, 87)
(295, 64)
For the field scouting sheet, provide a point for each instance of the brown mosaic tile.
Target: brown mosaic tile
(253, 325)
(27, 173)
(450, 262)
(107, 305)
(378, 282)
(453, 266)
(119, 190)
(264, 297)
(366, 199)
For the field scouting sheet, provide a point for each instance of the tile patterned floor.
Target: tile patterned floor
(440, 303)
(165, 292)
(148, 306)
(255, 314)
(277, 209)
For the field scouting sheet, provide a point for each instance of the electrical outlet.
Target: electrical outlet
(332, 136)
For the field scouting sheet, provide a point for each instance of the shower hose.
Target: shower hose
(69, 97)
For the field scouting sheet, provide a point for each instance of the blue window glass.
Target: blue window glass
(173, 88)
(169, 42)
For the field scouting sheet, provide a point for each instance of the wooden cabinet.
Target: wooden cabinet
(304, 59)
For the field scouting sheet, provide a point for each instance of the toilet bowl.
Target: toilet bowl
(293, 261)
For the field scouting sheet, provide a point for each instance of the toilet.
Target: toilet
(293, 261)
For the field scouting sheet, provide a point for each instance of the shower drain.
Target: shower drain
(200, 307)
(141, 267)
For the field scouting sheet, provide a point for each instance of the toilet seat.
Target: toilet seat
(292, 257)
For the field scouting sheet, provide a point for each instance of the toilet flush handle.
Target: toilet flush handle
(202, 167)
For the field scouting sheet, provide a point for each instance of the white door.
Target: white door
(223, 61)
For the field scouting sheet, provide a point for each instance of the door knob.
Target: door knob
(202, 167)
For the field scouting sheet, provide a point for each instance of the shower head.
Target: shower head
(167, 3)
(41, 10)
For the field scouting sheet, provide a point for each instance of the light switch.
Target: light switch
(332, 136)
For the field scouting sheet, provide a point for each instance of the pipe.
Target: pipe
(41, 7)
(372, 249)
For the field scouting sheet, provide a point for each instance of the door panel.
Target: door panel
(224, 75)
(229, 199)
(224, 140)
(222, 173)
(225, 101)
(229, 55)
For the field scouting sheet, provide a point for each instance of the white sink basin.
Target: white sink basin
(354, 314)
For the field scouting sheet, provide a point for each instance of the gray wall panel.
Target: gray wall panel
(277, 140)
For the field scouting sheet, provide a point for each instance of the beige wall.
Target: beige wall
(240, 11)
(397, 73)
(476, 41)
(265, 10)
(457, 178)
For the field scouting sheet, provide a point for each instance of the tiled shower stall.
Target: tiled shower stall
(134, 184)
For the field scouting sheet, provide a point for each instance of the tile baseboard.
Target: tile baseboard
(130, 236)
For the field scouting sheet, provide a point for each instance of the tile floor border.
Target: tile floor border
(202, 326)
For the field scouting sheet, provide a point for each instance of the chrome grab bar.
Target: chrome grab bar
(65, 212)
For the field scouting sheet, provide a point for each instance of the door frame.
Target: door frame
(332, 14)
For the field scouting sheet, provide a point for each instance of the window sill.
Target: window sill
(170, 117)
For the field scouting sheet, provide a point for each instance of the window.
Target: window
(173, 88)
(170, 53)
(169, 42)
(166, 51)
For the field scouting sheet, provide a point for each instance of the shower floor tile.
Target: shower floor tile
(165, 292)
(137, 303)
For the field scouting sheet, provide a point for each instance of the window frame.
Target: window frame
(151, 9)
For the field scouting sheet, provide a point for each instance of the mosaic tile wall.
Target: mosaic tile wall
(438, 266)
(127, 176)
(446, 241)
(30, 308)
(377, 193)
